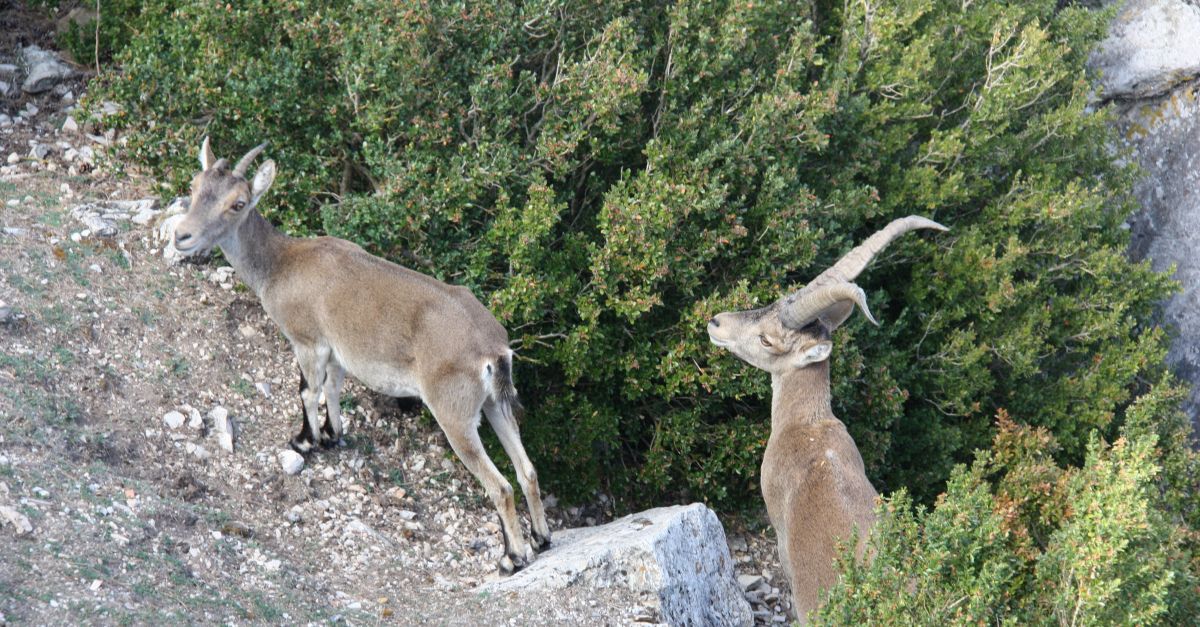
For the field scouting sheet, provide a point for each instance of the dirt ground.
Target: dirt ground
(134, 521)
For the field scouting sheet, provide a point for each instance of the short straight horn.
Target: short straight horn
(240, 168)
(849, 266)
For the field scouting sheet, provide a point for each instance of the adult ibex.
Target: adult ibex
(398, 331)
(813, 480)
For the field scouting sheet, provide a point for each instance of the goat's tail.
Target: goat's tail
(503, 392)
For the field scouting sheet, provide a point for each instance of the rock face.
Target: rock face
(1150, 67)
(1152, 46)
(677, 556)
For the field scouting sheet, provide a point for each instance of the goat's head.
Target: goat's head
(221, 199)
(794, 331)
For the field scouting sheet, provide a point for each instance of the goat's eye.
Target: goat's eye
(765, 342)
(239, 205)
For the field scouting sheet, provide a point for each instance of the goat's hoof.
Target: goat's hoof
(330, 442)
(541, 542)
(303, 447)
(510, 564)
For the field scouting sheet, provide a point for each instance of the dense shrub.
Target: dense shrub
(608, 175)
(1017, 539)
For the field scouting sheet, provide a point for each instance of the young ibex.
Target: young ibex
(813, 480)
(398, 331)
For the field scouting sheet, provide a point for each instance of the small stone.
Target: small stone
(225, 441)
(750, 582)
(40, 151)
(273, 565)
(173, 419)
(395, 495)
(195, 420)
(16, 519)
(197, 450)
(96, 583)
(407, 514)
(291, 461)
(239, 529)
(264, 388)
(95, 267)
(295, 515)
(329, 472)
(13, 158)
(70, 125)
(248, 331)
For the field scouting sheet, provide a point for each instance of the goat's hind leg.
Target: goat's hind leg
(505, 425)
(460, 422)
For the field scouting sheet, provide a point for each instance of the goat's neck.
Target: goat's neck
(800, 396)
(253, 250)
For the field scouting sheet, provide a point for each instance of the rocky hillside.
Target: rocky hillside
(124, 495)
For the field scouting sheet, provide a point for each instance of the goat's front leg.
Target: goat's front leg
(312, 369)
(331, 431)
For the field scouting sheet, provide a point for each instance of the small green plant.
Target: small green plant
(178, 367)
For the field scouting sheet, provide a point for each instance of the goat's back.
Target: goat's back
(330, 292)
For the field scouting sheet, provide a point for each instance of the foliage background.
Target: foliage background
(608, 175)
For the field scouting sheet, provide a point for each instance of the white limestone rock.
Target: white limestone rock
(677, 556)
(291, 462)
(43, 68)
(1152, 46)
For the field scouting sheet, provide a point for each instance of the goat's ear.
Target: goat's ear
(206, 155)
(262, 180)
(818, 351)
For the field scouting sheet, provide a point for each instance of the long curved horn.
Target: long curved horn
(240, 168)
(834, 302)
(850, 265)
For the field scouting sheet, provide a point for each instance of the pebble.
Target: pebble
(95, 267)
(248, 331)
(13, 158)
(395, 495)
(195, 420)
(70, 125)
(750, 582)
(295, 514)
(264, 388)
(198, 450)
(16, 519)
(291, 461)
(173, 419)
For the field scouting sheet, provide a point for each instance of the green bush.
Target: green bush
(91, 43)
(608, 175)
(1018, 540)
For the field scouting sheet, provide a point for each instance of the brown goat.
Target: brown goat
(813, 480)
(399, 332)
